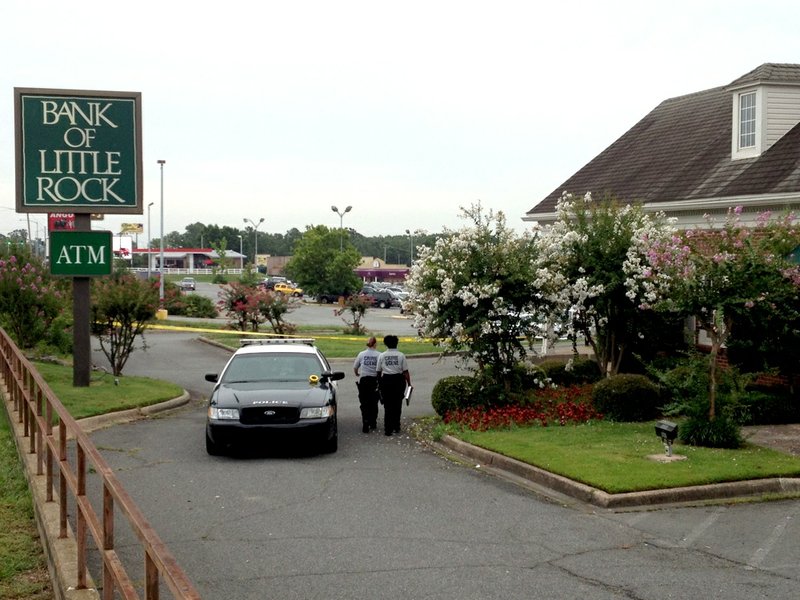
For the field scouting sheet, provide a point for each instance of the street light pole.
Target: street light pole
(161, 253)
(341, 226)
(149, 235)
(255, 238)
(241, 260)
(411, 234)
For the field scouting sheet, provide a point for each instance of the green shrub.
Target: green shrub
(493, 387)
(451, 393)
(575, 372)
(763, 406)
(684, 382)
(627, 397)
(193, 305)
(59, 336)
(722, 432)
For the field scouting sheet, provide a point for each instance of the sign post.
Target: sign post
(79, 152)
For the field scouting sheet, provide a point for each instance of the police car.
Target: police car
(273, 390)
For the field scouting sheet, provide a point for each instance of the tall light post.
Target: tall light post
(341, 226)
(161, 252)
(149, 235)
(411, 234)
(255, 238)
(241, 259)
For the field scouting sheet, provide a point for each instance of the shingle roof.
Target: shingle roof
(769, 72)
(682, 151)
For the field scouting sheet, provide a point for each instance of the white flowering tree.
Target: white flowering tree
(580, 272)
(717, 274)
(474, 291)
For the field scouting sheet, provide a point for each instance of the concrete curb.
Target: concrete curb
(90, 424)
(504, 465)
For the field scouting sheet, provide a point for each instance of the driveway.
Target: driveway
(386, 518)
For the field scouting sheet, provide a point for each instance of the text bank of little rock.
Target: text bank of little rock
(78, 151)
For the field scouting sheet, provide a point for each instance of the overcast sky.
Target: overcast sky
(403, 110)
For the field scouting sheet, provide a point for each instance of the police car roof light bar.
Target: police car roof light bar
(264, 342)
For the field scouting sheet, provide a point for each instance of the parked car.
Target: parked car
(269, 282)
(330, 298)
(288, 289)
(380, 298)
(188, 283)
(272, 391)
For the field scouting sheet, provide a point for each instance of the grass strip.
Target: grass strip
(339, 346)
(613, 457)
(23, 569)
(106, 393)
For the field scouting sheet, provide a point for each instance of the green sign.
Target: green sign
(80, 253)
(78, 151)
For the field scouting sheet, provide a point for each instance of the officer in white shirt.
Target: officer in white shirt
(365, 367)
(393, 377)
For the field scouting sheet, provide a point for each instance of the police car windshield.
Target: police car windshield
(271, 367)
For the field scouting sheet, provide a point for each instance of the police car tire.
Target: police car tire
(212, 448)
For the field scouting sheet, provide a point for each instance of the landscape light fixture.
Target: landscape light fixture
(341, 226)
(667, 431)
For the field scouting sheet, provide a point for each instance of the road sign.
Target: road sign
(78, 151)
(80, 253)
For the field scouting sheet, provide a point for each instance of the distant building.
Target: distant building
(190, 258)
(375, 269)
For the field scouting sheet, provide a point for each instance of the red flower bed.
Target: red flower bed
(561, 405)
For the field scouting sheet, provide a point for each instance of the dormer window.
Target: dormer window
(746, 141)
(747, 120)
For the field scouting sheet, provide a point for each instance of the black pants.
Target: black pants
(392, 389)
(368, 396)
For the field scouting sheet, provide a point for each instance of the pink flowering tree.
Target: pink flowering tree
(715, 274)
(250, 307)
(240, 304)
(30, 300)
(580, 272)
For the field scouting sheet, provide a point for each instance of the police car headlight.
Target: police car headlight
(223, 414)
(317, 412)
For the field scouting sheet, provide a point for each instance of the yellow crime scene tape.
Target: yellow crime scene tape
(265, 334)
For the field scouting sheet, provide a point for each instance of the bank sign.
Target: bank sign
(78, 151)
(80, 253)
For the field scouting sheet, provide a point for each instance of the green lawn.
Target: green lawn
(23, 570)
(613, 456)
(334, 346)
(104, 395)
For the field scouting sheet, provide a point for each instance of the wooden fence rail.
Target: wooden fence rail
(47, 426)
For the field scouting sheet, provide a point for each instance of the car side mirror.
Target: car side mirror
(332, 376)
(212, 377)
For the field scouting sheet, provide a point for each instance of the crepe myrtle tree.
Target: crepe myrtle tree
(718, 274)
(30, 300)
(122, 307)
(579, 272)
(473, 291)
